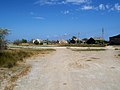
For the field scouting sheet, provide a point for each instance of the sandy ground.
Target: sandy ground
(65, 69)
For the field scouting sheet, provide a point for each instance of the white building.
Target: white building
(63, 42)
(38, 40)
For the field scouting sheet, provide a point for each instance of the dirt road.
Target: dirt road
(65, 69)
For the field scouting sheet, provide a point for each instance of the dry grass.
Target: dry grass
(9, 58)
(88, 49)
(83, 45)
(117, 48)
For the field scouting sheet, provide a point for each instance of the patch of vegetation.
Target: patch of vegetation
(118, 54)
(9, 58)
(117, 49)
(88, 60)
(3, 41)
(84, 45)
(88, 49)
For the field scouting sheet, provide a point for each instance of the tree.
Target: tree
(3, 41)
(17, 42)
(24, 41)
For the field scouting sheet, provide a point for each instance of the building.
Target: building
(99, 40)
(37, 40)
(63, 42)
(115, 40)
(91, 41)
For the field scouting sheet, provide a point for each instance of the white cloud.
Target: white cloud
(66, 12)
(102, 7)
(77, 1)
(39, 18)
(87, 7)
(107, 6)
(44, 2)
(36, 16)
(83, 4)
(117, 7)
(54, 2)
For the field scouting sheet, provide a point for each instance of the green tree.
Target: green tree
(3, 41)
(24, 41)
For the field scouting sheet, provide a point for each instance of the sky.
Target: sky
(60, 19)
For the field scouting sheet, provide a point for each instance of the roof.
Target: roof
(117, 36)
(98, 38)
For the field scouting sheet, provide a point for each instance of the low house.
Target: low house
(99, 40)
(91, 41)
(73, 40)
(115, 40)
(37, 41)
(63, 42)
(45, 42)
(84, 40)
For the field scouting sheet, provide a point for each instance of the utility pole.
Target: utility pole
(79, 37)
(103, 33)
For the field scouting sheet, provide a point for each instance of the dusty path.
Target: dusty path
(70, 70)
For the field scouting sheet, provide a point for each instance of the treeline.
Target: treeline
(17, 42)
(73, 41)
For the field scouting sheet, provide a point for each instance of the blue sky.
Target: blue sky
(54, 19)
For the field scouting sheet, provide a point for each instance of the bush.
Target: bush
(24, 41)
(9, 58)
(17, 42)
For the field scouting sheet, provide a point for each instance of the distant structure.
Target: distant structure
(115, 40)
(38, 40)
(63, 42)
(98, 38)
(103, 33)
(78, 35)
(91, 41)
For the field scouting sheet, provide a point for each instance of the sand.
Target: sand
(65, 69)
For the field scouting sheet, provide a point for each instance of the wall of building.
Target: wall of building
(114, 41)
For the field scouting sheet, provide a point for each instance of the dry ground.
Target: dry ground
(65, 69)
